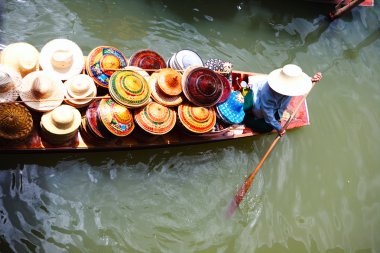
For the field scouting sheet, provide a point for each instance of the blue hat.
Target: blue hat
(232, 110)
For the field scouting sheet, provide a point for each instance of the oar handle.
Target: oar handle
(235, 202)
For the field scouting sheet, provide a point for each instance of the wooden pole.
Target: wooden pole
(345, 8)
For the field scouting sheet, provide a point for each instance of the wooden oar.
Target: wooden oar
(248, 182)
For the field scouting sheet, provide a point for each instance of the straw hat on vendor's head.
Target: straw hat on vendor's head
(62, 57)
(63, 120)
(10, 83)
(16, 122)
(289, 81)
(80, 90)
(21, 56)
(42, 91)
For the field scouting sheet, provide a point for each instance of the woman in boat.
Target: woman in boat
(271, 95)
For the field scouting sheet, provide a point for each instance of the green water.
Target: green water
(317, 192)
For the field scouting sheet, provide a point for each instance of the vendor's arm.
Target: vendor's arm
(267, 106)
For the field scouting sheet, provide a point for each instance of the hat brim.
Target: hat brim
(62, 44)
(289, 86)
(49, 126)
(13, 93)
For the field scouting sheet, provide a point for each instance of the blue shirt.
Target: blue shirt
(267, 102)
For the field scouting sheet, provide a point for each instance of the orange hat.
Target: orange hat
(197, 119)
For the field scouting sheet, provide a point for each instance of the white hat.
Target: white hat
(21, 56)
(63, 120)
(62, 57)
(42, 91)
(10, 83)
(289, 81)
(80, 89)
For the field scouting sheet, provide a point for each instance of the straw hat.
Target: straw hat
(117, 119)
(184, 59)
(139, 70)
(62, 58)
(92, 119)
(170, 81)
(101, 60)
(147, 60)
(202, 86)
(155, 118)
(10, 83)
(232, 110)
(21, 56)
(16, 122)
(289, 81)
(161, 97)
(42, 91)
(80, 89)
(226, 88)
(197, 119)
(129, 88)
(63, 120)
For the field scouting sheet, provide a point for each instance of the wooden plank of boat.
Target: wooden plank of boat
(35, 143)
(335, 2)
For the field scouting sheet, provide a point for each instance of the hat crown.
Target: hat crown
(42, 87)
(237, 101)
(79, 87)
(27, 62)
(291, 70)
(62, 58)
(5, 82)
(62, 117)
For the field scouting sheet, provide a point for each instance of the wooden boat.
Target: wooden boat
(176, 137)
(335, 2)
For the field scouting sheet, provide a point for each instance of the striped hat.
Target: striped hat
(155, 118)
(161, 97)
(100, 62)
(231, 111)
(148, 60)
(202, 86)
(117, 119)
(197, 119)
(129, 88)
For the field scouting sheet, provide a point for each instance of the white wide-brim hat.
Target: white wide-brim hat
(290, 81)
(21, 56)
(10, 83)
(62, 57)
(80, 90)
(42, 91)
(63, 120)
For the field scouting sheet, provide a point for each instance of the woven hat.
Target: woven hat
(21, 56)
(197, 119)
(92, 119)
(42, 91)
(202, 86)
(138, 70)
(16, 122)
(63, 120)
(232, 110)
(117, 119)
(289, 81)
(148, 60)
(100, 62)
(155, 118)
(226, 88)
(80, 90)
(62, 58)
(170, 81)
(129, 88)
(10, 83)
(161, 97)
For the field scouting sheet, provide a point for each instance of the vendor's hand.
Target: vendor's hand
(281, 132)
(317, 77)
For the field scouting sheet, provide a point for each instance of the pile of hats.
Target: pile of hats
(184, 59)
(166, 85)
(80, 90)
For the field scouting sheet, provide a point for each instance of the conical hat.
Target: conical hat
(161, 97)
(187, 58)
(10, 84)
(232, 109)
(138, 70)
(226, 88)
(197, 119)
(42, 91)
(129, 88)
(21, 56)
(170, 81)
(202, 86)
(16, 122)
(116, 118)
(148, 60)
(92, 119)
(80, 90)
(63, 120)
(289, 81)
(155, 118)
(62, 58)
(101, 60)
